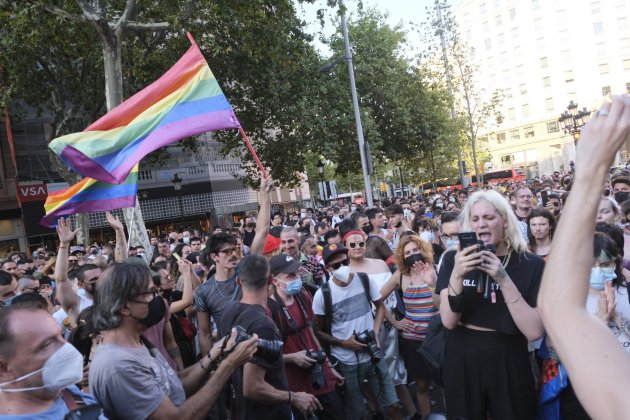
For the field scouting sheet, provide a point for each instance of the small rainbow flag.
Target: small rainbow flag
(185, 101)
(90, 195)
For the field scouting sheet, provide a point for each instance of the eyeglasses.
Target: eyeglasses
(227, 251)
(447, 237)
(152, 292)
(357, 244)
(339, 264)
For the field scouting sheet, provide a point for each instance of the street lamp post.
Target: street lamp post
(322, 188)
(402, 183)
(572, 120)
(177, 184)
(355, 103)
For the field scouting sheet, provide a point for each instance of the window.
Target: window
(506, 160)
(603, 68)
(535, 4)
(512, 14)
(601, 49)
(627, 87)
(523, 88)
(498, 20)
(485, 26)
(538, 24)
(514, 33)
(501, 39)
(624, 43)
(482, 8)
(598, 28)
(488, 43)
(571, 96)
(626, 65)
(529, 132)
(595, 7)
(549, 104)
(515, 135)
(511, 113)
(469, 34)
(501, 138)
(541, 42)
(605, 90)
(622, 23)
(568, 76)
(525, 109)
(553, 127)
(543, 62)
(546, 81)
(508, 93)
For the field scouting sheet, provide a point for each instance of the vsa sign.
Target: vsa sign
(27, 193)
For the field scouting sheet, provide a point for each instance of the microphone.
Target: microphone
(487, 291)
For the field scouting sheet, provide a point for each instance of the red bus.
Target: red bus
(492, 177)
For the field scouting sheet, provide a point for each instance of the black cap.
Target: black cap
(284, 263)
(332, 250)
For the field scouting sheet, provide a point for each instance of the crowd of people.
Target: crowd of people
(323, 313)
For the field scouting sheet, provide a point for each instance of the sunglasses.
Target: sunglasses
(357, 244)
(336, 265)
(227, 251)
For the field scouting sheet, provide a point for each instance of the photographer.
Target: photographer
(128, 376)
(261, 386)
(307, 367)
(348, 314)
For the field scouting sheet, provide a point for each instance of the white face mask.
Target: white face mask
(427, 236)
(342, 274)
(62, 369)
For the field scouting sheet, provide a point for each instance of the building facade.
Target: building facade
(541, 55)
(208, 194)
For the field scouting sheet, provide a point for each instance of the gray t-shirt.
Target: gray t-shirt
(212, 296)
(130, 383)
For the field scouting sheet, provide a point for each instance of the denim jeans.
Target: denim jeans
(379, 380)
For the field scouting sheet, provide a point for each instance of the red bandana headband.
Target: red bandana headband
(352, 232)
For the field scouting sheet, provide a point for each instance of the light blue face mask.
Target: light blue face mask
(599, 277)
(451, 243)
(293, 286)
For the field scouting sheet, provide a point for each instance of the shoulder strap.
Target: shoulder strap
(365, 281)
(274, 307)
(327, 295)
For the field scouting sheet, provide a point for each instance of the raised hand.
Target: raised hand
(113, 221)
(65, 232)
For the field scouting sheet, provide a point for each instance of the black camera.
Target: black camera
(269, 350)
(318, 380)
(368, 338)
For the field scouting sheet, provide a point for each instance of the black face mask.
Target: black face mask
(412, 259)
(167, 294)
(29, 272)
(399, 224)
(157, 310)
(621, 196)
(367, 229)
(171, 240)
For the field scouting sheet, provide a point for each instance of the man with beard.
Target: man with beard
(376, 246)
(249, 231)
(395, 214)
(220, 289)
(311, 271)
(523, 203)
(554, 205)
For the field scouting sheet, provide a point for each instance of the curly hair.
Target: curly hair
(426, 250)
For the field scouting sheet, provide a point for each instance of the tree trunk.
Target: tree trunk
(112, 47)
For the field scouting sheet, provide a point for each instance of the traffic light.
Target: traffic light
(576, 137)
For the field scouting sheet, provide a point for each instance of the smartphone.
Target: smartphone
(467, 239)
(406, 213)
(545, 197)
(177, 257)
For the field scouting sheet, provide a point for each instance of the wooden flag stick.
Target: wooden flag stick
(252, 151)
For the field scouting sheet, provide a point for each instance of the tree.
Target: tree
(475, 108)
(266, 74)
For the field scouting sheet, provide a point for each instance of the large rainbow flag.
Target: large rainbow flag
(90, 195)
(185, 101)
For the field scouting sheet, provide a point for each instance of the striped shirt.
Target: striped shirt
(419, 309)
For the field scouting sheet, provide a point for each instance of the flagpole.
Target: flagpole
(252, 151)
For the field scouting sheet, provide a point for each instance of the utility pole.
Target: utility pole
(449, 82)
(357, 112)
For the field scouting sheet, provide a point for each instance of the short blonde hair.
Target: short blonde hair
(512, 234)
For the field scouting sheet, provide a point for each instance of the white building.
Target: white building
(543, 54)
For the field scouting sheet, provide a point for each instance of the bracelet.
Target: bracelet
(515, 300)
(289, 397)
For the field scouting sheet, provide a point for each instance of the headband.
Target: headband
(352, 232)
